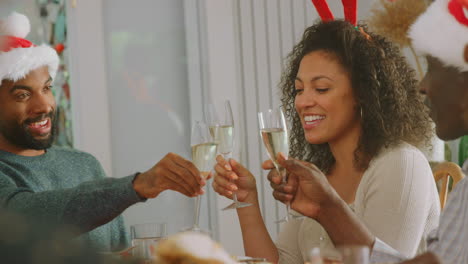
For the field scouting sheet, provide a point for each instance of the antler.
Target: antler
(350, 11)
(349, 6)
(323, 10)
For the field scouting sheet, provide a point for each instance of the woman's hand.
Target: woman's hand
(243, 182)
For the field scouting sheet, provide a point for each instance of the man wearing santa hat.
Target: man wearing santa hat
(441, 34)
(60, 186)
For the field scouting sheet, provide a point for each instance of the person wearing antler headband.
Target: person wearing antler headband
(441, 34)
(356, 120)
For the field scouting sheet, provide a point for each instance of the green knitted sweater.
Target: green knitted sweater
(68, 187)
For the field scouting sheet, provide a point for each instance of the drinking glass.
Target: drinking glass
(323, 256)
(204, 149)
(145, 238)
(274, 133)
(354, 254)
(222, 121)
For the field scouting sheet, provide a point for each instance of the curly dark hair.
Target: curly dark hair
(384, 86)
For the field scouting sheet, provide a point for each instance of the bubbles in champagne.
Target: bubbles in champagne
(276, 141)
(204, 155)
(223, 135)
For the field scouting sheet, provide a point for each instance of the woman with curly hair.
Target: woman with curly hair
(356, 115)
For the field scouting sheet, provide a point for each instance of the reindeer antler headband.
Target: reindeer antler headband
(350, 12)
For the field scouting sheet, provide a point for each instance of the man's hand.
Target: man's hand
(171, 173)
(426, 258)
(312, 190)
(317, 199)
(283, 192)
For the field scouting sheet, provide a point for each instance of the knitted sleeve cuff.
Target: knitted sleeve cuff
(128, 190)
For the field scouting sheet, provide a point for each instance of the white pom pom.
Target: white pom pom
(15, 25)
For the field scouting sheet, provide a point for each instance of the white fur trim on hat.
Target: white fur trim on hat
(15, 25)
(17, 63)
(438, 34)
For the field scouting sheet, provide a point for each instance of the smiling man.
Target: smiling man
(27, 125)
(58, 186)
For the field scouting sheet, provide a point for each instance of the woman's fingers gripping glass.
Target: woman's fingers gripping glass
(221, 183)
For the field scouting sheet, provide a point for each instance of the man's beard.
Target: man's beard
(19, 135)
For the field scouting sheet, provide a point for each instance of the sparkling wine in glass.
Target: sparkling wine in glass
(274, 133)
(222, 121)
(275, 141)
(204, 149)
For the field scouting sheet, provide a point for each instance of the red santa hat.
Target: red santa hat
(18, 56)
(442, 32)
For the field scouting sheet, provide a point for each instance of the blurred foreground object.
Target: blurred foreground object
(22, 241)
(191, 247)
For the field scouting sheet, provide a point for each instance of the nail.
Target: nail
(234, 176)
(227, 166)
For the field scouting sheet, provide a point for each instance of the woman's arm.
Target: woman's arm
(257, 241)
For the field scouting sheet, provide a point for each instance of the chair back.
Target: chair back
(443, 171)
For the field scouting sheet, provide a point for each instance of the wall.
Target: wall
(131, 76)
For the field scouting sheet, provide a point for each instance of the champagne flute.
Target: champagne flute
(225, 138)
(204, 150)
(274, 133)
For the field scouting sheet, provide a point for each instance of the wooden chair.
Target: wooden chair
(443, 171)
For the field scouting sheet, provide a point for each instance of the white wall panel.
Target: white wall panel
(274, 44)
(286, 27)
(298, 16)
(90, 104)
(268, 31)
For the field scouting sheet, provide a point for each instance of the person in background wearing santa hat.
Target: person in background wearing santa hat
(441, 34)
(59, 186)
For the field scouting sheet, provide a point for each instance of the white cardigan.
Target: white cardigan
(396, 199)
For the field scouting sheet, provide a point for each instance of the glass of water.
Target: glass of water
(145, 238)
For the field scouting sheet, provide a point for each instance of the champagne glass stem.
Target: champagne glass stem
(234, 198)
(284, 180)
(196, 219)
